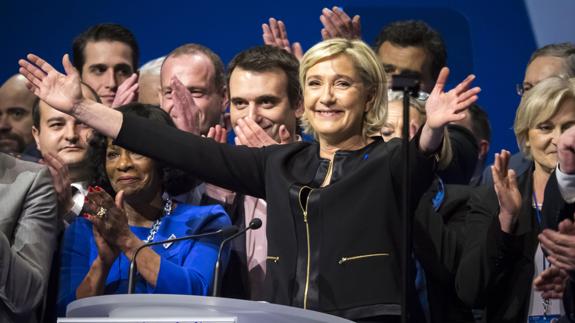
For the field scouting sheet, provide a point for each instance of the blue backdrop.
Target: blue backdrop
(491, 39)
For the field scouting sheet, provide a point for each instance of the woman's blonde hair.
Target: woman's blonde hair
(540, 104)
(370, 71)
(415, 103)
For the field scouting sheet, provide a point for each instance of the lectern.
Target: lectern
(147, 308)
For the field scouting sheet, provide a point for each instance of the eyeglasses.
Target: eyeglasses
(422, 96)
(521, 88)
(397, 95)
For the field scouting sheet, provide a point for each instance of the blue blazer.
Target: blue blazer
(186, 267)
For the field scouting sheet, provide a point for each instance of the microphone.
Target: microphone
(227, 231)
(255, 224)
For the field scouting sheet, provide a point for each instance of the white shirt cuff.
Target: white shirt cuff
(566, 183)
(78, 200)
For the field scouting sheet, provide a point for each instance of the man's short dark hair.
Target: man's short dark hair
(104, 32)
(265, 58)
(416, 33)
(566, 51)
(480, 123)
(191, 49)
(36, 105)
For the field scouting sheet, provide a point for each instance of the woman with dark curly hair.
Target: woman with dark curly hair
(97, 250)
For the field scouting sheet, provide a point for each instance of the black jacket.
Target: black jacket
(496, 270)
(438, 245)
(351, 227)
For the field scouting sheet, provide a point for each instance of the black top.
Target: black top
(496, 269)
(352, 228)
(438, 238)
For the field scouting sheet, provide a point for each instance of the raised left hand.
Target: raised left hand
(445, 107)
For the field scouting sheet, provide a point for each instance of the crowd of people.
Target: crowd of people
(105, 156)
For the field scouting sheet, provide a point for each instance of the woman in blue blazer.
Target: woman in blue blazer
(97, 247)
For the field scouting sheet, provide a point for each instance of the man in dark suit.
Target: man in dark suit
(28, 223)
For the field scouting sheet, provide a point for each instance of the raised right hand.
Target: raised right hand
(127, 92)
(505, 185)
(275, 34)
(60, 91)
(218, 134)
(337, 23)
(185, 113)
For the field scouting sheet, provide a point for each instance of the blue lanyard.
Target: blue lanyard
(537, 209)
(439, 196)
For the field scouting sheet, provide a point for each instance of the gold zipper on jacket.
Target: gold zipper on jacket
(304, 211)
(346, 259)
(275, 259)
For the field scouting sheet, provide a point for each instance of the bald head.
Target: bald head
(149, 82)
(16, 103)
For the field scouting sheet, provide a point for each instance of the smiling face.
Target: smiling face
(542, 140)
(335, 99)
(107, 65)
(262, 96)
(133, 173)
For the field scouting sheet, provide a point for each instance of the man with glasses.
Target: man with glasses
(547, 61)
(550, 60)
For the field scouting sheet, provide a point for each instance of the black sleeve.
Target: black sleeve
(465, 152)
(439, 235)
(422, 169)
(237, 168)
(488, 252)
